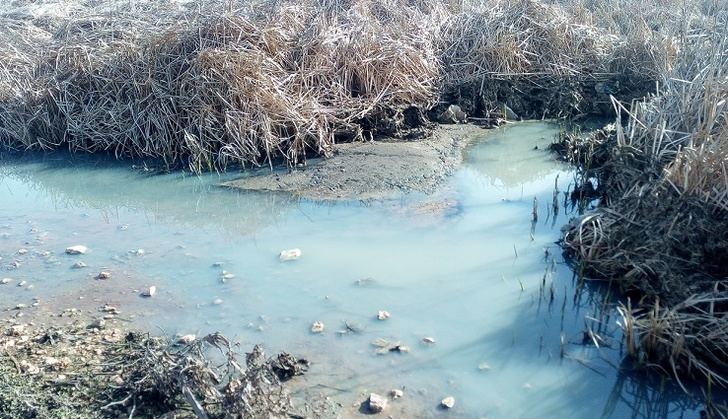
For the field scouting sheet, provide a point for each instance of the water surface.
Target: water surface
(466, 267)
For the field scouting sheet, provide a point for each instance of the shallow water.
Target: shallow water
(465, 267)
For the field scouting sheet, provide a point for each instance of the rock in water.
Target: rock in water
(103, 275)
(396, 394)
(508, 112)
(289, 254)
(150, 292)
(76, 250)
(186, 339)
(79, 265)
(483, 366)
(383, 315)
(377, 403)
(317, 327)
(448, 402)
(5, 280)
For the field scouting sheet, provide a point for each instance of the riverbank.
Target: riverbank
(90, 369)
(657, 232)
(172, 82)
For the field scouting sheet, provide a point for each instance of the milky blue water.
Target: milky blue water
(464, 267)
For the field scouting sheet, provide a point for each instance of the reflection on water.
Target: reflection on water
(463, 267)
(508, 163)
(179, 198)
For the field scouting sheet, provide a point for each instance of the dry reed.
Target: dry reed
(209, 84)
(663, 177)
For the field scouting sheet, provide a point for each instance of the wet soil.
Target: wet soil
(373, 170)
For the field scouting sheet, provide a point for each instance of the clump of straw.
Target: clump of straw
(664, 177)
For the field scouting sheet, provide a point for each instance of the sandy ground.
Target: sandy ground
(373, 170)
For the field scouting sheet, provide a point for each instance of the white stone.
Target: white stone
(103, 275)
(448, 402)
(317, 327)
(22, 251)
(396, 394)
(383, 315)
(377, 403)
(76, 250)
(15, 330)
(29, 368)
(79, 265)
(97, 324)
(50, 361)
(483, 366)
(429, 340)
(22, 283)
(110, 309)
(217, 301)
(186, 339)
(150, 291)
(290, 254)
(5, 280)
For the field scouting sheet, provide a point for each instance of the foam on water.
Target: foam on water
(463, 267)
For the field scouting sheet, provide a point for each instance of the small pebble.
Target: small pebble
(78, 265)
(317, 327)
(383, 315)
(428, 340)
(448, 402)
(149, 292)
(186, 339)
(103, 275)
(76, 250)
(376, 403)
(396, 394)
(290, 254)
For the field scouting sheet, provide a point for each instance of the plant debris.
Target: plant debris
(82, 372)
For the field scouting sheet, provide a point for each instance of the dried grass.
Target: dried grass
(222, 87)
(210, 84)
(658, 232)
(80, 371)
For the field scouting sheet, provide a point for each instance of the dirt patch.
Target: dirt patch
(90, 370)
(373, 170)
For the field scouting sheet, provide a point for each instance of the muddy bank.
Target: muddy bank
(88, 368)
(382, 169)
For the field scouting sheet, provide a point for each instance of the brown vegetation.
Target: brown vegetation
(209, 84)
(659, 231)
(84, 371)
